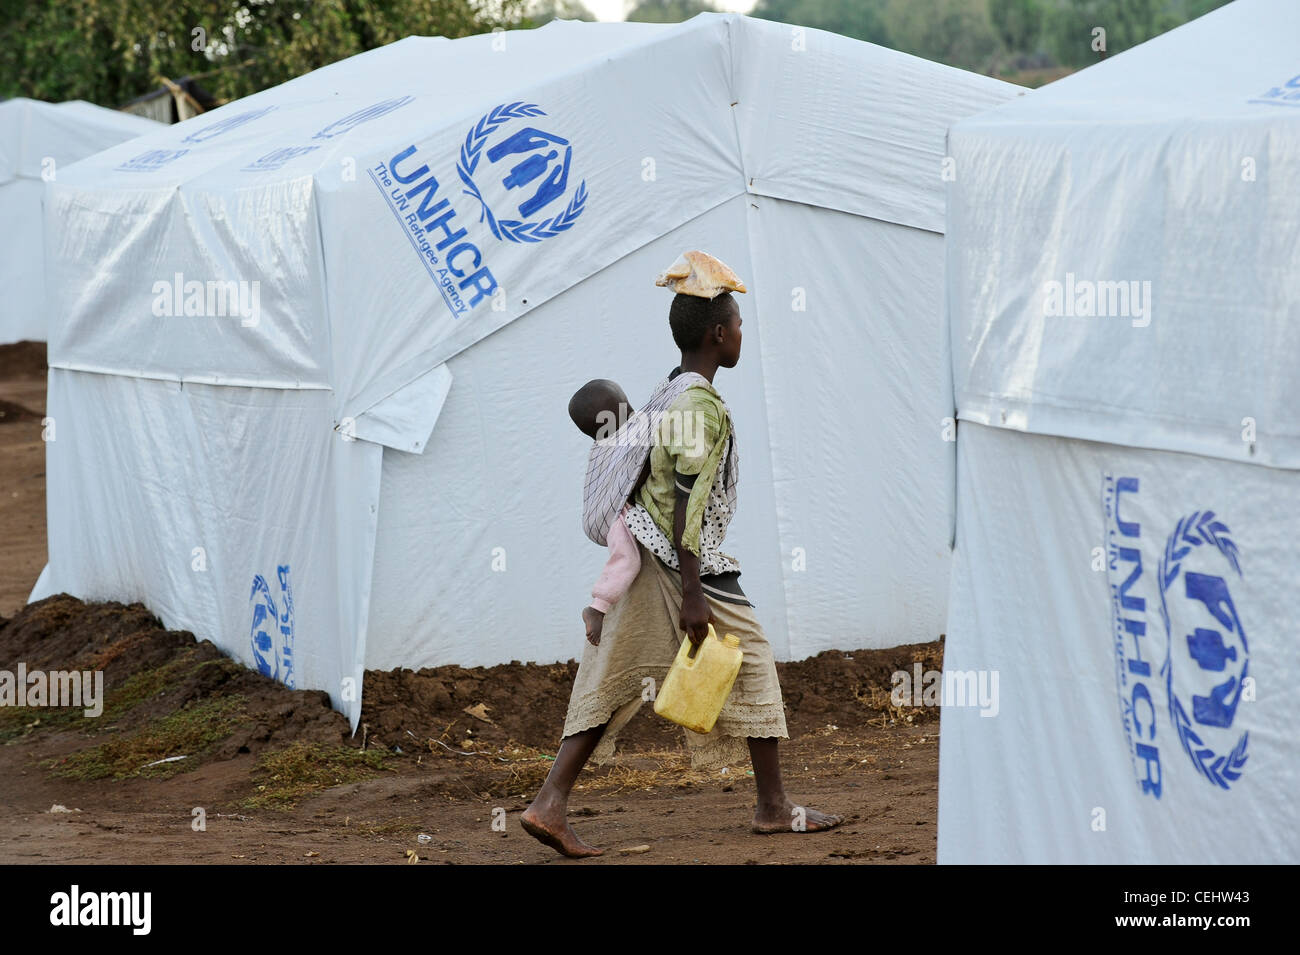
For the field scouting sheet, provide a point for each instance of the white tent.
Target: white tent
(430, 246)
(37, 140)
(1125, 311)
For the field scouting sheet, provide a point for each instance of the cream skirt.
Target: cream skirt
(639, 640)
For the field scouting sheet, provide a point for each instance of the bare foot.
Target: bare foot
(547, 823)
(594, 620)
(792, 818)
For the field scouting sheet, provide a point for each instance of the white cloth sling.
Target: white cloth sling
(615, 462)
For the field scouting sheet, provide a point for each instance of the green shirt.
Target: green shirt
(688, 448)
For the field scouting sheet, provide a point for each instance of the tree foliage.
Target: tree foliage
(110, 51)
(860, 19)
(1019, 23)
(668, 11)
(1073, 27)
(542, 12)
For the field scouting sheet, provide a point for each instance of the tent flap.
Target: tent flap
(404, 419)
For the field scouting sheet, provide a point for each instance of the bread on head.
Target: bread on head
(698, 273)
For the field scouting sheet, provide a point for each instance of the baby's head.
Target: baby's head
(599, 407)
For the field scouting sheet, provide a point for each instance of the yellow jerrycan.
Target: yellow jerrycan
(699, 681)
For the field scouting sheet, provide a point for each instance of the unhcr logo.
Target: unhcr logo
(1207, 657)
(527, 169)
(1131, 591)
(215, 298)
(352, 120)
(1284, 94)
(272, 628)
(152, 160)
(225, 125)
(276, 158)
(521, 178)
(1186, 672)
(1084, 298)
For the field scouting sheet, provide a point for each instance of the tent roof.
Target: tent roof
(1231, 64)
(1166, 172)
(323, 189)
(842, 123)
(31, 131)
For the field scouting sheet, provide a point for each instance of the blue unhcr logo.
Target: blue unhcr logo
(1288, 94)
(277, 158)
(532, 167)
(516, 172)
(1207, 660)
(223, 126)
(272, 631)
(151, 160)
(1204, 673)
(354, 119)
(1129, 592)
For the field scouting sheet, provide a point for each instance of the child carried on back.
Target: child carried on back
(598, 408)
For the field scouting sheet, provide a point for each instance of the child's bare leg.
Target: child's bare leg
(594, 620)
(776, 812)
(547, 817)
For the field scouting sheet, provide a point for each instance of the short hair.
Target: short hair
(691, 316)
(588, 402)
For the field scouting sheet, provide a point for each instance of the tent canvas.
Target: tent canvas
(1124, 305)
(310, 401)
(37, 140)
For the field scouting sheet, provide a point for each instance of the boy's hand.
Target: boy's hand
(696, 616)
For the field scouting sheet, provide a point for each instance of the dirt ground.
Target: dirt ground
(444, 763)
(22, 472)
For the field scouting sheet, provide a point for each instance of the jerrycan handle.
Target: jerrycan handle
(695, 649)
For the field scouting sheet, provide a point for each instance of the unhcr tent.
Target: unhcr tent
(37, 141)
(313, 349)
(1125, 315)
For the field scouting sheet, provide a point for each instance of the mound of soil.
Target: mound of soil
(12, 411)
(151, 672)
(526, 703)
(22, 360)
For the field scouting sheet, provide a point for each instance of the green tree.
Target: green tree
(1019, 23)
(668, 11)
(544, 11)
(1198, 8)
(1073, 26)
(109, 51)
(956, 32)
(860, 19)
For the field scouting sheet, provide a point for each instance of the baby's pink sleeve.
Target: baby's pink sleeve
(620, 570)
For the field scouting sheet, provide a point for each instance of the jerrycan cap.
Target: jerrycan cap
(731, 640)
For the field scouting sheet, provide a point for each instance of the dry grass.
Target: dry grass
(880, 702)
(284, 777)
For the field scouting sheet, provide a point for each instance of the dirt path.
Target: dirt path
(276, 778)
(890, 802)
